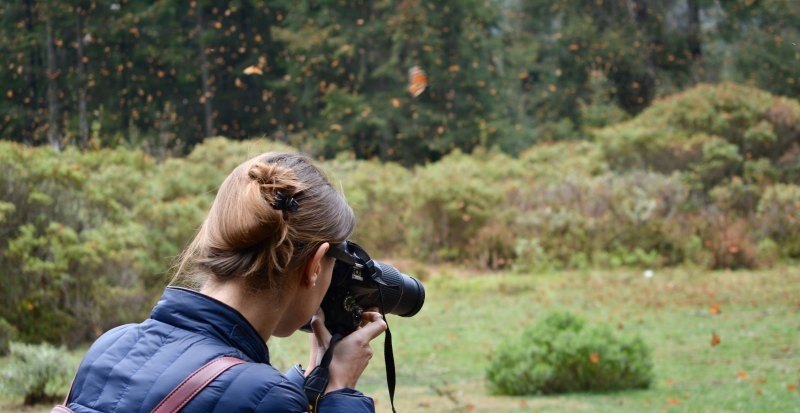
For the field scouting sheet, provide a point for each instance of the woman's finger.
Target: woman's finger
(374, 327)
(364, 321)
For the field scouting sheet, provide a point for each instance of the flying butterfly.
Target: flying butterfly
(417, 81)
(253, 70)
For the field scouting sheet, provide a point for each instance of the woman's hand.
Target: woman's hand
(351, 355)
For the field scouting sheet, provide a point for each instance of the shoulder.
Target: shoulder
(253, 387)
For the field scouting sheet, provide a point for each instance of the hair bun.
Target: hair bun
(266, 174)
(273, 178)
(277, 185)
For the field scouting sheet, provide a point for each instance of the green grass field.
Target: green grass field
(442, 353)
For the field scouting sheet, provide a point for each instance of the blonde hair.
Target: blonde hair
(247, 235)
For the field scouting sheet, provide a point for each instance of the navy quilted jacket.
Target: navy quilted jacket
(131, 368)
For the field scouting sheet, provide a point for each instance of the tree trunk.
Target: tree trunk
(31, 71)
(206, 98)
(53, 132)
(635, 87)
(694, 40)
(83, 122)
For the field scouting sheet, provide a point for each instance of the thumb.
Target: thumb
(320, 331)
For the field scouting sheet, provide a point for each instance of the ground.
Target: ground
(442, 353)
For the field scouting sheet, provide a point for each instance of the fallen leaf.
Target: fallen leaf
(715, 340)
(714, 309)
(791, 387)
(742, 375)
(673, 401)
(594, 358)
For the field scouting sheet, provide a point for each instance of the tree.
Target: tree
(347, 69)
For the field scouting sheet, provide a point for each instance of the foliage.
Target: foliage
(37, 372)
(380, 197)
(8, 333)
(454, 199)
(713, 131)
(72, 224)
(330, 76)
(562, 354)
(779, 217)
(625, 219)
(79, 226)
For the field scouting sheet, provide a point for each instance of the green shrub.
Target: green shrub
(779, 217)
(454, 199)
(561, 354)
(612, 219)
(709, 130)
(8, 333)
(728, 238)
(37, 372)
(546, 162)
(379, 196)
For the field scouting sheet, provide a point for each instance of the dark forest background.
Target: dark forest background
(330, 76)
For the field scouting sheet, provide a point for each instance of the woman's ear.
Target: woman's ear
(314, 265)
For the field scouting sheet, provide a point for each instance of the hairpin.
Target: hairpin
(285, 203)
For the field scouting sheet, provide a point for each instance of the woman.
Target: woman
(260, 260)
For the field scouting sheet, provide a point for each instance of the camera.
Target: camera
(358, 283)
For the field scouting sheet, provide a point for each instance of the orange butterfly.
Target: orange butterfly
(253, 70)
(417, 81)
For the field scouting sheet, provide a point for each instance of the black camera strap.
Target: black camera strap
(388, 354)
(317, 381)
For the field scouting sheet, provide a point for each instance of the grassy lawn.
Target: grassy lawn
(442, 353)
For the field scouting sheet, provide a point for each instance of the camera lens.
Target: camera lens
(404, 296)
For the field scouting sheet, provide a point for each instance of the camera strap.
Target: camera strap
(388, 355)
(317, 381)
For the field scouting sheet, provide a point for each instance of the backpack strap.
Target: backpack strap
(192, 385)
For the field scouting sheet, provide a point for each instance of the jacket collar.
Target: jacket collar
(199, 313)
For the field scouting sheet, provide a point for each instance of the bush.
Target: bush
(454, 199)
(709, 130)
(37, 372)
(779, 217)
(563, 354)
(8, 333)
(727, 238)
(379, 196)
(628, 219)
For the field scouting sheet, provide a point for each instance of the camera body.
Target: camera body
(358, 283)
